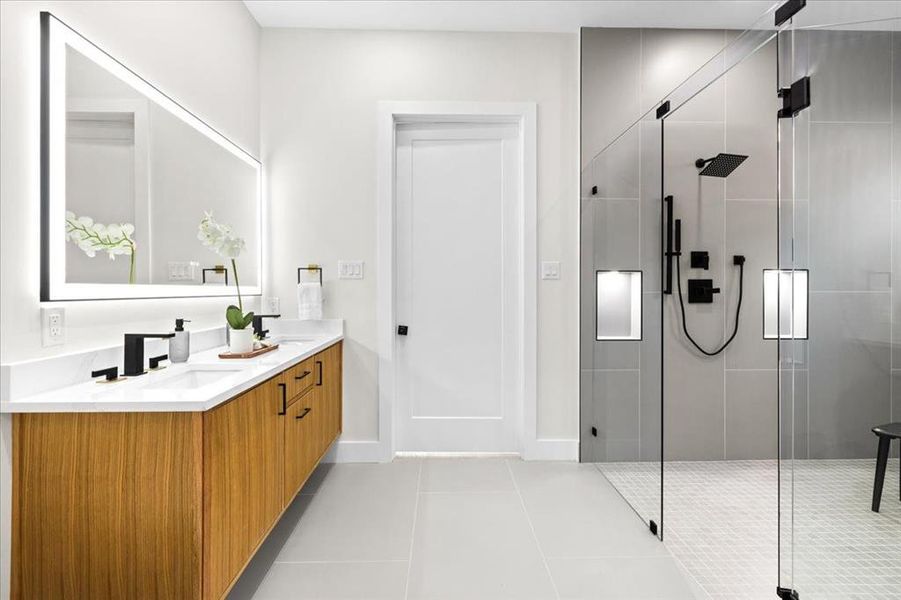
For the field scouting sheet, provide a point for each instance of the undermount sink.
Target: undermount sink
(191, 379)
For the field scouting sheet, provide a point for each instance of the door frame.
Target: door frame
(390, 115)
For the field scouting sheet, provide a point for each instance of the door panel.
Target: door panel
(457, 252)
(301, 442)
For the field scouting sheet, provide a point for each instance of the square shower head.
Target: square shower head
(720, 165)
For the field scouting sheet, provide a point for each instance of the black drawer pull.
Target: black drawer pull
(319, 362)
(299, 377)
(303, 414)
(284, 388)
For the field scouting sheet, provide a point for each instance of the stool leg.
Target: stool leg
(881, 461)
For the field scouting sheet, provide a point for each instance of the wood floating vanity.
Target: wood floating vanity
(169, 505)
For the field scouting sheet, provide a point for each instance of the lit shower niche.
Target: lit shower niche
(783, 291)
(618, 305)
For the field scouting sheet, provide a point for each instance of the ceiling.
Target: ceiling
(562, 15)
(493, 15)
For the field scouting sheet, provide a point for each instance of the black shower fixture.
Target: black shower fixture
(720, 165)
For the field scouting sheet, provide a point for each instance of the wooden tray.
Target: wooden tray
(250, 354)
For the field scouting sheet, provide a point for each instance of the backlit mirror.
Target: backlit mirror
(127, 177)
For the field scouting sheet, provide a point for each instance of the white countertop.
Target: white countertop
(152, 392)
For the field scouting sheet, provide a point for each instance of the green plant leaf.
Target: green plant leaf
(248, 319)
(235, 318)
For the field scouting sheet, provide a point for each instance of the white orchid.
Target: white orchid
(222, 240)
(219, 237)
(115, 239)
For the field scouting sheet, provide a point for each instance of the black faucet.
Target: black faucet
(134, 351)
(258, 325)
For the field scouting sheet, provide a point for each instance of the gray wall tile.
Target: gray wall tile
(853, 74)
(651, 203)
(651, 355)
(751, 407)
(750, 126)
(794, 403)
(850, 208)
(616, 413)
(610, 85)
(849, 372)
(616, 170)
(750, 231)
(616, 241)
(672, 55)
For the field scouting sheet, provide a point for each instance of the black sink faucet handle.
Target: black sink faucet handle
(134, 351)
(111, 373)
(155, 360)
(258, 325)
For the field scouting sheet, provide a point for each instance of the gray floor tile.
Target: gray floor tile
(470, 545)
(361, 512)
(576, 513)
(466, 475)
(656, 577)
(333, 581)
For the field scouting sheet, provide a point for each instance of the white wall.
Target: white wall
(319, 97)
(206, 56)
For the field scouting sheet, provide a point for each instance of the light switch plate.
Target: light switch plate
(550, 269)
(185, 270)
(350, 269)
(53, 325)
(272, 305)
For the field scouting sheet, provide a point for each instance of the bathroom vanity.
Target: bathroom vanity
(165, 485)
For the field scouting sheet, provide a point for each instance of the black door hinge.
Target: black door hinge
(795, 99)
(653, 527)
(594, 431)
(788, 10)
(787, 593)
(402, 330)
(662, 109)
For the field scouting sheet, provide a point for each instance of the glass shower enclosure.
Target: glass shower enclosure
(740, 324)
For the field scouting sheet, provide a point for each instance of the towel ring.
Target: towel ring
(310, 268)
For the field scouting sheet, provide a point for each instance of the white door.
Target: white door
(458, 289)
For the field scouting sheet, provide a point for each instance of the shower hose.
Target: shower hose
(738, 260)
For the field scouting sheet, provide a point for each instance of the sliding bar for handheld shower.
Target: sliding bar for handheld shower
(669, 253)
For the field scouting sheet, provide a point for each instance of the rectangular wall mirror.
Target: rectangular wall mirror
(127, 175)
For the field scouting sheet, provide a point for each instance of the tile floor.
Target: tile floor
(720, 521)
(462, 529)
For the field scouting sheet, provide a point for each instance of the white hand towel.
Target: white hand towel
(309, 301)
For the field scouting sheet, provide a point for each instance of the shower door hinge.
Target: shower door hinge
(653, 527)
(795, 99)
(787, 593)
(788, 10)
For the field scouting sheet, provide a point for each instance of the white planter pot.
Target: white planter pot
(240, 340)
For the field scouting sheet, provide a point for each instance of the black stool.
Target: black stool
(886, 433)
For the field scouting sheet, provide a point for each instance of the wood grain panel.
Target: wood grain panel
(243, 454)
(301, 437)
(107, 505)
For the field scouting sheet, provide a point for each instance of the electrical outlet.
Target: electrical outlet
(550, 269)
(53, 325)
(350, 269)
(272, 305)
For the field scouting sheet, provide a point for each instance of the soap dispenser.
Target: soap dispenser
(180, 344)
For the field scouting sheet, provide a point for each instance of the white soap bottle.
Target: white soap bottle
(180, 345)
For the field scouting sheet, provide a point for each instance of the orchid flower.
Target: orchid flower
(114, 239)
(220, 238)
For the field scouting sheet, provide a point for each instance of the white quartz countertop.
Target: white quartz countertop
(200, 384)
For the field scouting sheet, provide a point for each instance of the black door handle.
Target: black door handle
(298, 377)
(303, 414)
(284, 388)
(319, 364)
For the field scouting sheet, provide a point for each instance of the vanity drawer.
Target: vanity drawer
(301, 377)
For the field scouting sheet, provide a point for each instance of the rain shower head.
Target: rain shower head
(720, 165)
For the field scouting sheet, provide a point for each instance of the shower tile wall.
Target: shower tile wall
(847, 224)
(716, 408)
(847, 164)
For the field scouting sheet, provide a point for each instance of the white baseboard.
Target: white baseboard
(369, 451)
(552, 449)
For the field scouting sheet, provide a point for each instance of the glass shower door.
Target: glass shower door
(620, 317)
(840, 376)
(719, 172)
